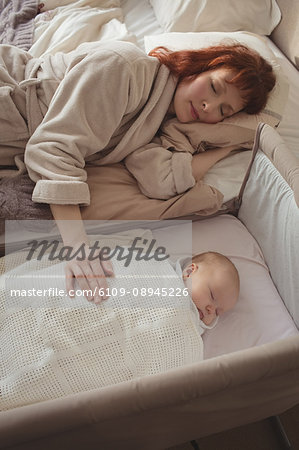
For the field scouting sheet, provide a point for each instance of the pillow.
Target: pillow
(257, 16)
(115, 195)
(47, 5)
(277, 100)
(285, 35)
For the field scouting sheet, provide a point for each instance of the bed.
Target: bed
(251, 359)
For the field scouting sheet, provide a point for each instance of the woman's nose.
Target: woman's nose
(208, 106)
(210, 112)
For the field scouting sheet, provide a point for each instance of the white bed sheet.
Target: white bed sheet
(64, 28)
(260, 315)
(140, 19)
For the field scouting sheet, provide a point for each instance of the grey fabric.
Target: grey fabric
(15, 200)
(16, 22)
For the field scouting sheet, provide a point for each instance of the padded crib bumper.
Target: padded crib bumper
(270, 211)
(161, 410)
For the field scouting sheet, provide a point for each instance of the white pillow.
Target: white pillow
(278, 97)
(52, 4)
(257, 16)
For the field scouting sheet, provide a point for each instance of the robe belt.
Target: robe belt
(33, 110)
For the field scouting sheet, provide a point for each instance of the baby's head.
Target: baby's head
(213, 281)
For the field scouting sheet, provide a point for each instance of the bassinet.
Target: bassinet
(221, 392)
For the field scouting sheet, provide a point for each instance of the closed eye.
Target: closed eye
(217, 310)
(212, 296)
(214, 90)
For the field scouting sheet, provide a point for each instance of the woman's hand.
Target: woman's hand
(86, 267)
(89, 272)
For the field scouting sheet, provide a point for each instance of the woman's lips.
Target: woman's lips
(194, 113)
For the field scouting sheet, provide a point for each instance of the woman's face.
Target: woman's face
(208, 98)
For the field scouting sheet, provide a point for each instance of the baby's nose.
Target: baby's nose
(211, 309)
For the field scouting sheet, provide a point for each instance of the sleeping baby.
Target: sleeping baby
(54, 346)
(213, 282)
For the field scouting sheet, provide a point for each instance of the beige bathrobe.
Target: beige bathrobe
(96, 104)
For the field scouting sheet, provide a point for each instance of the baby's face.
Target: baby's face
(213, 289)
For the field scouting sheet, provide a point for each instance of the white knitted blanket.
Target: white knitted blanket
(52, 346)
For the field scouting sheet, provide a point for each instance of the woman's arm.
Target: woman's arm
(89, 273)
(202, 162)
(161, 173)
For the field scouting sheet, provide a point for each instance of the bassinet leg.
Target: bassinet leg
(276, 422)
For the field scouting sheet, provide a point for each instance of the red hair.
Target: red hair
(252, 73)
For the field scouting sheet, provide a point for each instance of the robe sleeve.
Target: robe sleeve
(161, 173)
(86, 109)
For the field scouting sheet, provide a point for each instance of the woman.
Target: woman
(103, 102)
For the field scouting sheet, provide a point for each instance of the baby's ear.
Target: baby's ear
(188, 270)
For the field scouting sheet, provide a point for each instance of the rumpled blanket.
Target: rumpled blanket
(16, 22)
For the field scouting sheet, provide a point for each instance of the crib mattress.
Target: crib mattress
(260, 315)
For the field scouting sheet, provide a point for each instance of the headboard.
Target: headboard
(286, 34)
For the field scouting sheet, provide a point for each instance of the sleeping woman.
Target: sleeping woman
(103, 102)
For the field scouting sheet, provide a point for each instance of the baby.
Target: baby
(214, 284)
